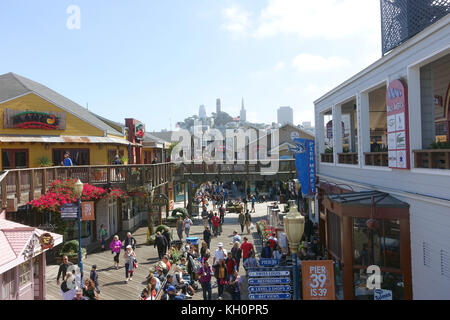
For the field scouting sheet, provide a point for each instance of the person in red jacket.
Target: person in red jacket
(231, 264)
(246, 247)
(216, 223)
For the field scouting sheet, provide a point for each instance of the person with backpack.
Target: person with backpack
(161, 244)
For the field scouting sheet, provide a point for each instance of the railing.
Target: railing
(24, 185)
(348, 158)
(238, 168)
(326, 157)
(379, 159)
(432, 159)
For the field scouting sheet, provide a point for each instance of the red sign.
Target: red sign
(318, 280)
(46, 241)
(398, 125)
(87, 211)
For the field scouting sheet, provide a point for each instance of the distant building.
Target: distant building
(285, 115)
(218, 107)
(243, 113)
(202, 112)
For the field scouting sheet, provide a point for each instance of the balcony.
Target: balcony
(377, 159)
(348, 158)
(326, 157)
(432, 159)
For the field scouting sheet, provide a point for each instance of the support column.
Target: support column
(415, 123)
(337, 132)
(320, 135)
(363, 109)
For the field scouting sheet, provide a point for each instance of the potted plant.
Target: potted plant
(70, 249)
(45, 162)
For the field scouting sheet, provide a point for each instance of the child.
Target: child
(94, 277)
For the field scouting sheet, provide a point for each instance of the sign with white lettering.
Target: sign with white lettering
(268, 273)
(318, 280)
(268, 262)
(397, 125)
(266, 281)
(270, 296)
(276, 289)
(381, 294)
(69, 211)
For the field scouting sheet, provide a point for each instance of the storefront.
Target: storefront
(23, 261)
(363, 229)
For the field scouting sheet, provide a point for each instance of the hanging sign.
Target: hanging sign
(398, 125)
(305, 165)
(46, 241)
(69, 211)
(318, 280)
(87, 211)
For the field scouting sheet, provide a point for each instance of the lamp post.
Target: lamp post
(294, 225)
(78, 191)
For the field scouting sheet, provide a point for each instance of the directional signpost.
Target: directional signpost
(270, 283)
(69, 211)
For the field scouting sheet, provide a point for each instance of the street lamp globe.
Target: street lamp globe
(298, 186)
(294, 225)
(78, 188)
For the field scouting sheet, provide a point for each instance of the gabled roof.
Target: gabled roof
(164, 135)
(13, 86)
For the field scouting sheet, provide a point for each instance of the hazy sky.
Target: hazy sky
(157, 61)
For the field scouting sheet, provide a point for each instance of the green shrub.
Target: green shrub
(70, 249)
(180, 210)
(161, 228)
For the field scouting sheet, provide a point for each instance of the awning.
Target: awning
(64, 139)
(364, 199)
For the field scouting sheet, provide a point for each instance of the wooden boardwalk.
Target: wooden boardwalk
(112, 282)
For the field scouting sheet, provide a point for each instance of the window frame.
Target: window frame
(13, 158)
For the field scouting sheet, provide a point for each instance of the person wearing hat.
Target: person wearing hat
(219, 254)
(79, 295)
(94, 277)
(171, 294)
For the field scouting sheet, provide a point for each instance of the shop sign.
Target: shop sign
(397, 125)
(46, 241)
(306, 167)
(139, 130)
(160, 200)
(381, 294)
(34, 120)
(69, 211)
(318, 280)
(88, 211)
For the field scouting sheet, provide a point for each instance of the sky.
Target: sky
(158, 61)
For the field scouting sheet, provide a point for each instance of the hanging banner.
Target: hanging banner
(397, 125)
(318, 280)
(305, 164)
(87, 211)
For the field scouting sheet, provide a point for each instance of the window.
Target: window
(71, 231)
(334, 234)
(80, 157)
(14, 159)
(24, 273)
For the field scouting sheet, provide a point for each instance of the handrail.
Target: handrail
(160, 292)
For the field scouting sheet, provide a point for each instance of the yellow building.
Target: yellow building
(38, 126)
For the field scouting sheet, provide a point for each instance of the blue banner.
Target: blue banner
(305, 164)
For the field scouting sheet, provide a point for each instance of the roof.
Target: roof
(164, 135)
(13, 86)
(14, 239)
(364, 199)
(63, 139)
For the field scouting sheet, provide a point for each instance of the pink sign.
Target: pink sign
(398, 125)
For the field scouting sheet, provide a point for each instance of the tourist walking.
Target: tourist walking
(222, 214)
(167, 235)
(236, 252)
(115, 247)
(180, 227)
(234, 285)
(251, 261)
(253, 203)
(129, 241)
(204, 217)
(210, 216)
(161, 244)
(63, 269)
(94, 277)
(103, 233)
(130, 262)
(248, 221)
(230, 262)
(204, 251)
(266, 252)
(205, 274)
(216, 224)
(219, 254)
(241, 220)
(207, 236)
(89, 290)
(246, 247)
(220, 272)
(187, 226)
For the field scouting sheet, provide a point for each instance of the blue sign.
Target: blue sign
(270, 296)
(258, 281)
(69, 211)
(274, 289)
(305, 164)
(268, 273)
(268, 262)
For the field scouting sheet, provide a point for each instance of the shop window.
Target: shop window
(378, 120)
(14, 159)
(350, 137)
(334, 234)
(80, 157)
(389, 281)
(24, 273)
(71, 231)
(36, 267)
(112, 155)
(9, 284)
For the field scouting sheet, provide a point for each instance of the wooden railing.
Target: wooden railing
(432, 158)
(19, 186)
(326, 157)
(348, 158)
(379, 159)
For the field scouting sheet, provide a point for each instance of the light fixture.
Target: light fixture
(294, 225)
(78, 188)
